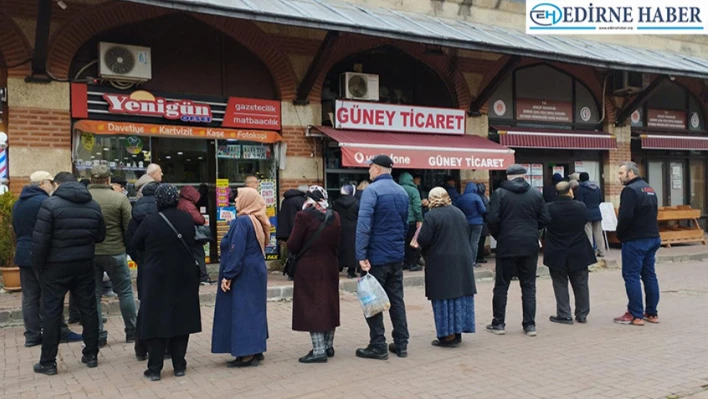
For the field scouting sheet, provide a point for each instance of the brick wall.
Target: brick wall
(293, 184)
(298, 144)
(32, 127)
(16, 184)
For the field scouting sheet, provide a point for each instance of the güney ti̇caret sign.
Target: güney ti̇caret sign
(356, 115)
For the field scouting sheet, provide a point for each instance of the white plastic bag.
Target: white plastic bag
(372, 296)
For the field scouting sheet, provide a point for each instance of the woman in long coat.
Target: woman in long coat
(347, 206)
(449, 277)
(240, 323)
(316, 281)
(169, 292)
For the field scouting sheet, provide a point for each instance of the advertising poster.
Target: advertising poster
(230, 151)
(537, 169)
(268, 190)
(254, 152)
(225, 213)
(559, 169)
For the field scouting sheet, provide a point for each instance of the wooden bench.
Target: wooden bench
(670, 230)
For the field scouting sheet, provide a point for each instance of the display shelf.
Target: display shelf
(127, 168)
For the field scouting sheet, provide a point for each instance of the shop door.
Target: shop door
(677, 173)
(656, 179)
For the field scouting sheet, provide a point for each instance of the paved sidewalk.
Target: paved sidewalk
(596, 360)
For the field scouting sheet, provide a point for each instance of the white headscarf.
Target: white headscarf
(317, 197)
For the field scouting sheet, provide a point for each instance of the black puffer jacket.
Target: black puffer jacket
(347, 206)
(516, 214)
(69, 224)
(293, 200)
(144, 207)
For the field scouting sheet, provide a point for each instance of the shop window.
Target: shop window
(656, 179)
(240, 159)
(698, 184)
(182, 160)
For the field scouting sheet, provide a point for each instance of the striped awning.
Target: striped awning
(557, 139)
(666, 142)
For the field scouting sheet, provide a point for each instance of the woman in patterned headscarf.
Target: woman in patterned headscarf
(242, 330)
(169, 291)
(315, 239)
(449, 277)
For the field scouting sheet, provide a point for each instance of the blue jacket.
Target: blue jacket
(452, 192)
(591, 196)
(24, 217)
(383, 222)
(470, 203)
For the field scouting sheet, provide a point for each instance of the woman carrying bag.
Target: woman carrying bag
(188, 199)
(240, 322)
(449, 275)
(315, 239)
(169, 292)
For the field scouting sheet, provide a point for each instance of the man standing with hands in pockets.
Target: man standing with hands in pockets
(380, 249)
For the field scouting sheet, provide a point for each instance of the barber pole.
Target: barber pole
(3, 157)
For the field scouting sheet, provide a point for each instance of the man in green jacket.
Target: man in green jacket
(111, 254)
(415, 218)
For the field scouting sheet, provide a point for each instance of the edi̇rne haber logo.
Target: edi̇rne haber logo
(565, 17)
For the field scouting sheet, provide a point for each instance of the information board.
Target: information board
(609, 217)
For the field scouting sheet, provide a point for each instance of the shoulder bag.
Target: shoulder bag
(202, 234)
(291, 261)
(184, 244)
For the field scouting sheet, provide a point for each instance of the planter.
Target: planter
(11, 278)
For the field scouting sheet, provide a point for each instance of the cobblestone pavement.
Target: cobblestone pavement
(596, 360)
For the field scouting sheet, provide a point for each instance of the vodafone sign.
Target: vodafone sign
(430, 158)
(398, 118)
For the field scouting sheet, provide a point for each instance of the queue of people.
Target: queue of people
(380, 233)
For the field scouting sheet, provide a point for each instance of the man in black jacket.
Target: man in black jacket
(517, 213)
(638, 231)
(24, 217)
(69, 224)
(293, 200)
(568, 253)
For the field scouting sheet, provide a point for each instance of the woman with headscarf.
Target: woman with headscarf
(449, 277)
(169, 290)
(240, 323)
(316, 281)
(347, 206)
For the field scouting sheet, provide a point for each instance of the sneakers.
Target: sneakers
(90, 361)
(530, 331)
(371, 352)
(561, 320)
(399, 351)
(71, 337)
(497, 329)
(651, 319)
(628, 319)
(46, 370)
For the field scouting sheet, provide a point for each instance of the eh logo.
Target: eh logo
(546, 14)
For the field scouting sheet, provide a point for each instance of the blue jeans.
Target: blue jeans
(474, 231)
(638, 258)
(116, 266)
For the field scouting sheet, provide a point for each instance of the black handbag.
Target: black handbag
(291, 261)
(202, 234)
(177, 233)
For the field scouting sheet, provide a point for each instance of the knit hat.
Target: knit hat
(347, 189)
(166, 196)
(584, 176)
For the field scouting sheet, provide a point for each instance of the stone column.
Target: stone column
(613, 158)
(39, 129)
(304, 158)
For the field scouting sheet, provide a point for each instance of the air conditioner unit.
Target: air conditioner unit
(627, 83)
(359, 86)
(123, 62)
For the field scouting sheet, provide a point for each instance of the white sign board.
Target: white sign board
(398, 118)
(609, 217)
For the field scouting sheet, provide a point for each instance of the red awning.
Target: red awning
(421, 151)
(687, 143)
(556, 139)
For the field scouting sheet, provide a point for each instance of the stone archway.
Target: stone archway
(350, 45)
(15, 50)
(67, 41)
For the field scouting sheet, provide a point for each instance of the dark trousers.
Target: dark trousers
(156, 352)
(412, 254)
(198, 253)
(481, 247)
(525, 268)
(32, 306)
(56, 279)
(579, 281)
(638, 258)
(390, 276)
